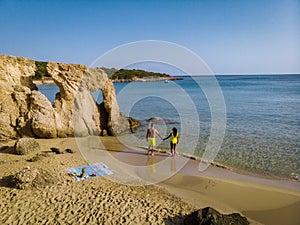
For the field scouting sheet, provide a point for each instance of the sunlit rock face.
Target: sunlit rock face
(26, 112)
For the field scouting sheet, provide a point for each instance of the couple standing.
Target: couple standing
(151, 138)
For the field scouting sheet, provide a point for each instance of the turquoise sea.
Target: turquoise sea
(262, 132)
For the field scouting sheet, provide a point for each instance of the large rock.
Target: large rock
(25, 146)
(117, 122)
(210, 216)
(32, 177)
(25, 112)
(15, 86)
(43, 119)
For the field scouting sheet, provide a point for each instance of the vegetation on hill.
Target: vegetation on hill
(109, 71)
(126, 74)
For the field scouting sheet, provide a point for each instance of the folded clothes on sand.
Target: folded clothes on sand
(89, 171)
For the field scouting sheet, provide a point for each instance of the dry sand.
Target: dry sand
(101, 201)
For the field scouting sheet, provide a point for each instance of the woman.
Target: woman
(174, 140)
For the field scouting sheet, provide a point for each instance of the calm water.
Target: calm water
(263, 118)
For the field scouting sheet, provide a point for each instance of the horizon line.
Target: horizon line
(237, 74)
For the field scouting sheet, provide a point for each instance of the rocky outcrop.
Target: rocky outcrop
(15, 87)
(210, 216)
(76, 111)
(42, 116)
(116, 123)
(25, 112)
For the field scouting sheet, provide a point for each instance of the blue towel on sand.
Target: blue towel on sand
(93, 170)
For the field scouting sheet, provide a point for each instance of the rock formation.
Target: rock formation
(210, 216)
(30, 178)
(26, 112)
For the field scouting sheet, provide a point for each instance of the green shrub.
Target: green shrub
(129, 74)
(41, 71)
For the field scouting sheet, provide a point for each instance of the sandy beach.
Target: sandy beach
(100, 200)
(88, 87)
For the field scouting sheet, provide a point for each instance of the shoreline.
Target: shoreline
(154, 79)
(245, 172)
(223, 171)
(214, 170)
(261, 200)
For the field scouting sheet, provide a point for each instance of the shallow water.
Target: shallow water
(263, 118)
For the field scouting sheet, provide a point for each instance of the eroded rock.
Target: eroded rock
(25, 112)
(25, 146)
(210, 216)
(15, 86)
(32, 177)
(42, 114)
(117, 122)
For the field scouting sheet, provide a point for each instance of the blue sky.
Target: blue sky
(232, 37)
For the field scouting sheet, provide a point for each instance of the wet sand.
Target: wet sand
(121, 198)
(263, 200)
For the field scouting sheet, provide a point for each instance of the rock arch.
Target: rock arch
(24, 111)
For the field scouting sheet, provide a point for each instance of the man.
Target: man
(151, 138)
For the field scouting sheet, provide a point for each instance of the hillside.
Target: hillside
(126, 75)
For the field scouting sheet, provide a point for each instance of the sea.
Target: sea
(256, 118)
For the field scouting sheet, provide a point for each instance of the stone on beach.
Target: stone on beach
(25, 146)
(32, 177)
(56, 150)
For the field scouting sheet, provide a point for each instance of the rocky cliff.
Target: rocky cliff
(26, 112)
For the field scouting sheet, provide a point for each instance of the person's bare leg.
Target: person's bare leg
(174, 146)
(149, 150)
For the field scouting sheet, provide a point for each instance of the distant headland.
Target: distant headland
(118, 76)
(134, 75)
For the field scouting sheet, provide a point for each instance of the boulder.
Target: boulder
(104, 133)
(43, 116)
(32, 177)
(210, 216)
(25, 146)
(133, 123)
(56, 150)
(68, 150)
(39, 157)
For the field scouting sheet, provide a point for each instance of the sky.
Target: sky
(231, 37)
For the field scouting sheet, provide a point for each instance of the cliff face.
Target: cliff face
(26, 112)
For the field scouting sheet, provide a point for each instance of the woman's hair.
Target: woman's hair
(174, 131)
